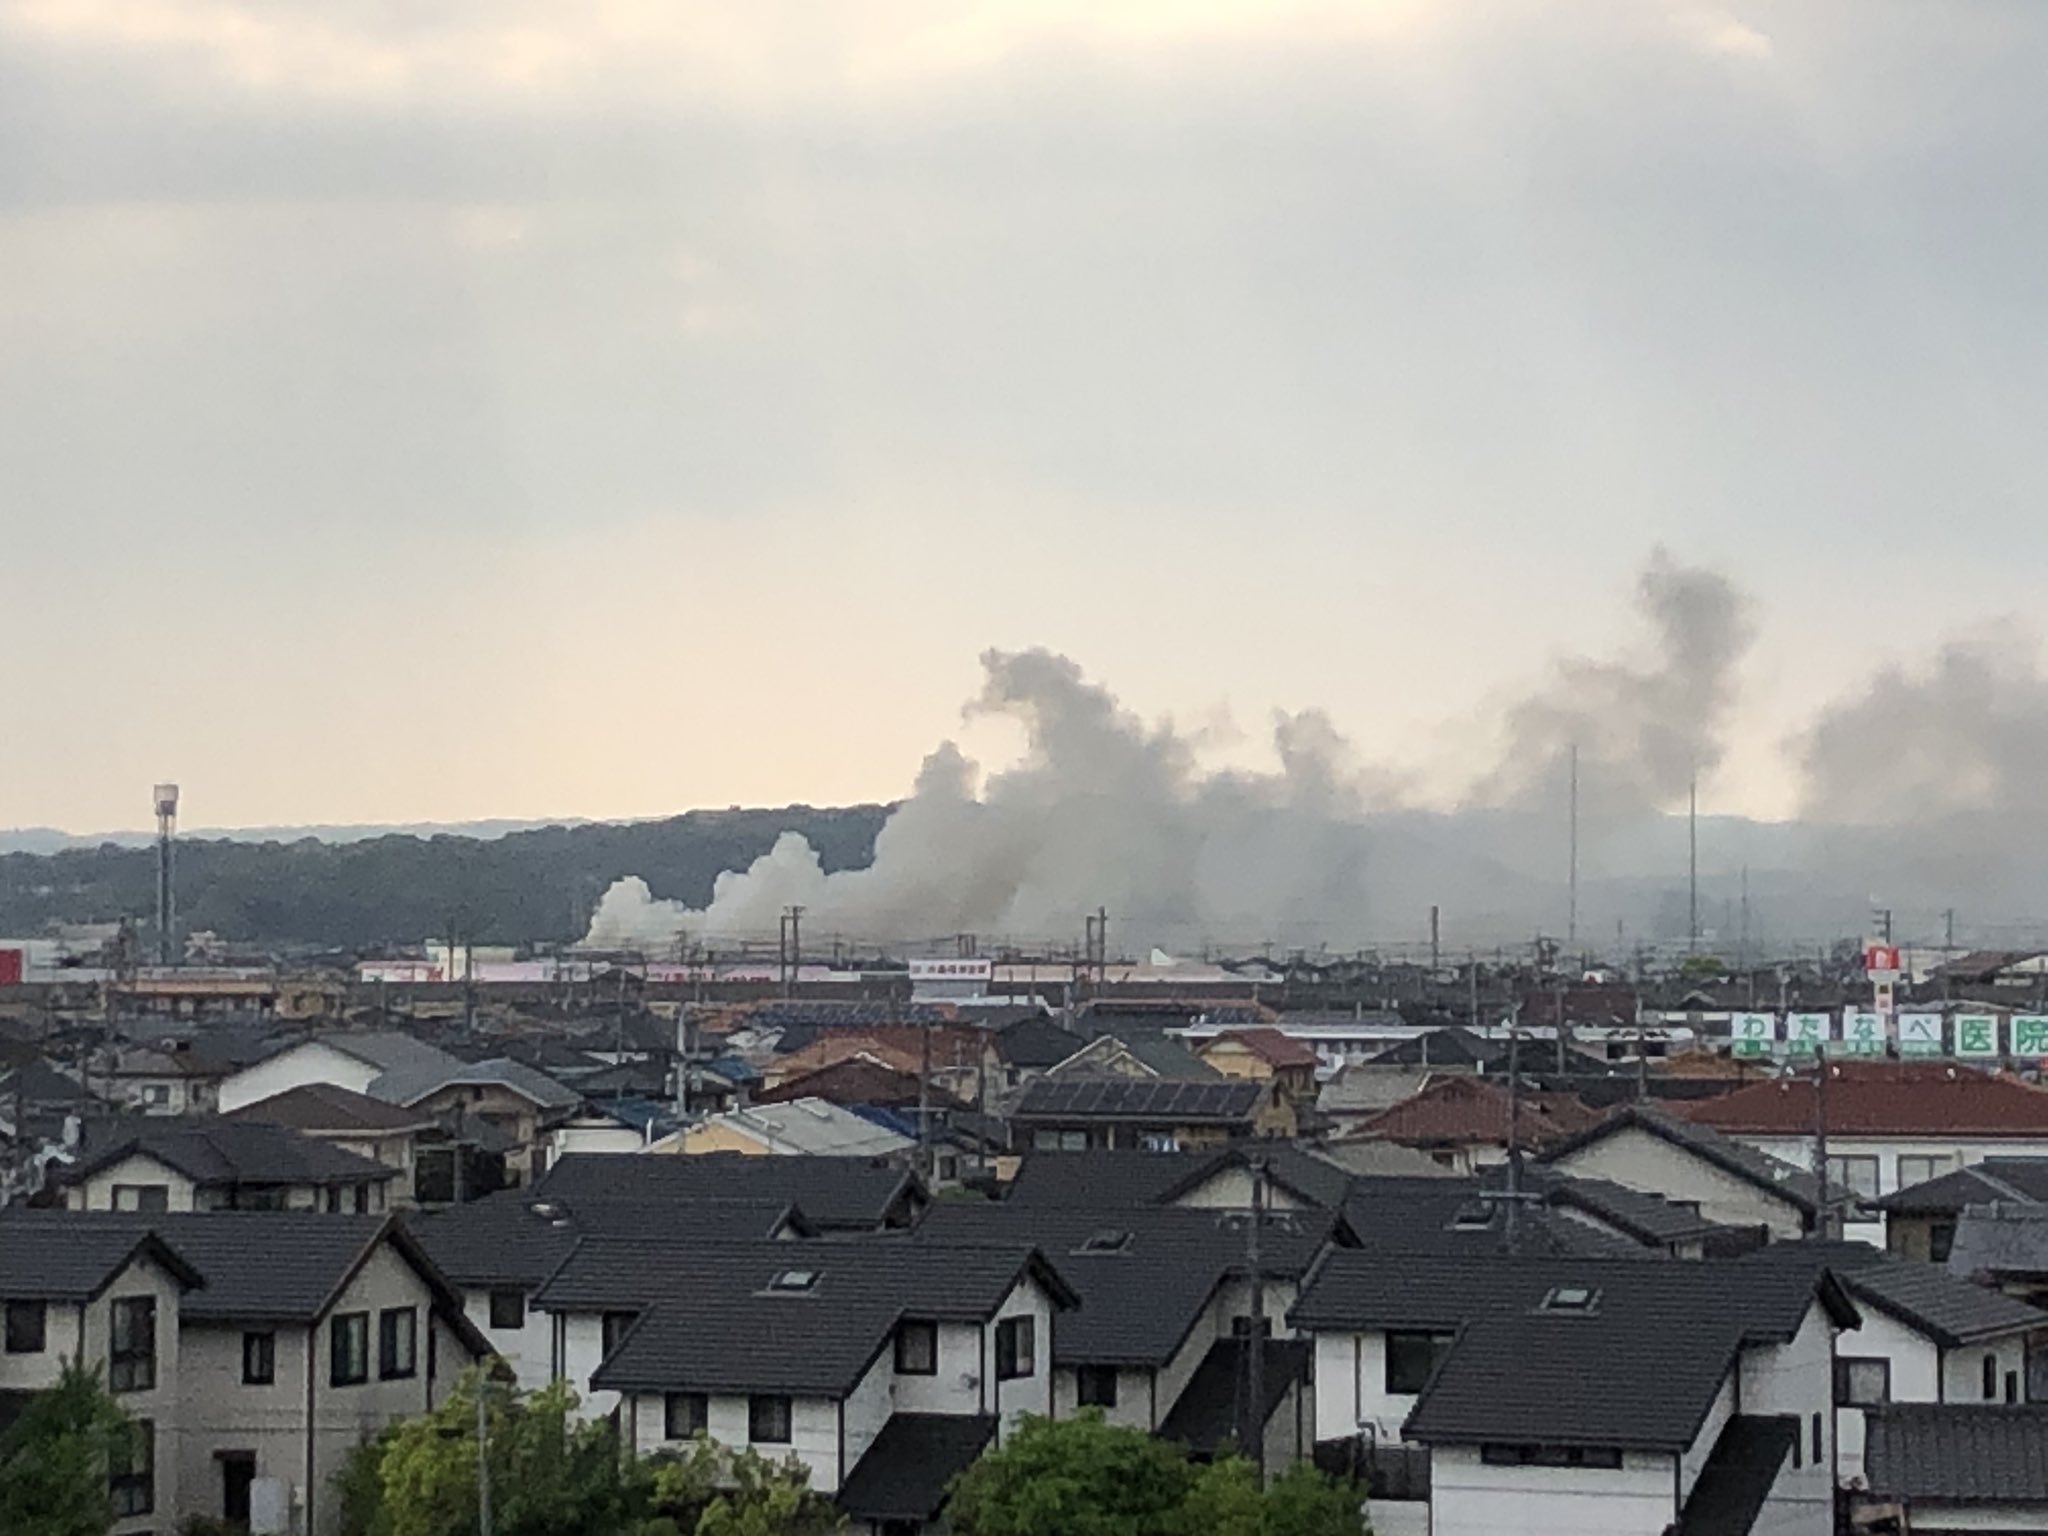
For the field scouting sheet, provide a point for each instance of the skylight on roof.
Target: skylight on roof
(1475, 1217)
(1571, 1300)
(1107, 1240)
(794, 1282)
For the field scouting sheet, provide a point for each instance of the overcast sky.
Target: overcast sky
(421, 410)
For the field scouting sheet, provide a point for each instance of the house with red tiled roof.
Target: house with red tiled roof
(1889, 1125)
(1467, 1122)
(1267, 1056)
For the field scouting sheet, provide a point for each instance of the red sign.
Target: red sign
(11, 968)
(1881, 957)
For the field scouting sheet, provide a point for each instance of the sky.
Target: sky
(498, 408)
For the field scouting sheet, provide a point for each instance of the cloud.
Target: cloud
(1712, 30)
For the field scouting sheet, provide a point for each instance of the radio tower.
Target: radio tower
(166, 797)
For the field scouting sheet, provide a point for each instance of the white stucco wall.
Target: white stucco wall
(1470, 1498)
(528, 1349)
(1351, 1388)
(1797, 1378)
(1636, 1159)
(312, 1061)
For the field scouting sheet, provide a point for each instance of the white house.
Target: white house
(219, 1165)
(351, 1059)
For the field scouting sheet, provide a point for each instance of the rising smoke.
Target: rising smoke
(1106, 810)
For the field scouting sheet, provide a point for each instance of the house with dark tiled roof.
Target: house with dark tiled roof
(1955, 1467)
(258, 1350)
(1920, 1220)
(1626, 1396)
(216, 1164)
(813, 1351)
(1135, 1112)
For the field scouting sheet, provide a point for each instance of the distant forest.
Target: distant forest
(526, 887)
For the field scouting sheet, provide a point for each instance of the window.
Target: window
(260, 1197)
(1918, 1170)
(1941, 1241)
(1572, 1300)
(616, 1325)
(1016, 1349)
(1241, 1326)
(1108, 1240)
(2012, 1386)
(131, 1360)
(1412, 1359)
(1858, 1175)
(684, 1414)
(1863, 1383)
(142, 1197)
(397, 1343)
(768, 1420)
(508, 1309)
(794, 1282)
(1095, 1386)
(131, 1470)
(1607, 1456)
(1819, 1448)
(917, 1349)
(27, 1325)
(348, 1349)
(259, 1359)
(1797, 1460)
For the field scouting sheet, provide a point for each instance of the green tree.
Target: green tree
(1223, 1500)
(1073, 1477)
(1305, 1502)
(54, 1460)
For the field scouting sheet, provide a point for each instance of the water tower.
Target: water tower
(166, 797)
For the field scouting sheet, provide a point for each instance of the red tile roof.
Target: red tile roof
(1897, 1098)
(1463, 1109)
(1275, 1049)
(857, 1080)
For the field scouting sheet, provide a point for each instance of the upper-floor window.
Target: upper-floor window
(768, 1420)
(1919, 1169)
(1862, 1383)
(616, 1325)
(142, 1197)
(27, 1327)
(1095, 1386)
(259, 1359)
(1990, 1377)
(131, 1470)
(1607, 1456)
(1855, 1173)
(348, 1349)
(508, 1309)
(1412, 1359)
(684, 1414)
(397, 1343)
(917, 1348)
(1016, 1348)
(131, 1357)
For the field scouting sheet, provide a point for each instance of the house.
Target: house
(1338, 1039)
(1890, 1125)
(159, 1080)
(2003, 1244)
(220, 1165)
(1469, 1393)
(961, 1057)
(1467, 1123)
(301, 1336)
(1028, 1047)
(802, 1127)
(1267, 1056)
(1920, 1220)
(862, 1080)
(1648, 1148)
(501, 1097)
(1165, 1295)
(1952, 1467)
(107, 1297)
(1926, 1337)
(1074, 1114)
(839, 1195)
(351, 1059)
(500, 1250)
(353, 1122)
(1212, 1178)
(809, 1351)
(1136, 1053)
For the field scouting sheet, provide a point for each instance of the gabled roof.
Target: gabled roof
(1645, 1217)
(858, 1080)
(1925, 1297)
(1269, 1045)
(317, 1107)
(221, 1151)
(1151, 1053)
(385, 1049)
(1143, 1274)
(906, 1474)
(1951, 1453)
(1999, 1239)
(76, 1264)
(1462, 1109)
(835, 1193)
(1899, 1098)
(1105, 1178)
(810, 1126)
(2020, 1179)
(411, 1085)
(38, 1084)
(714, 1320)
(1794, 1186)
(1035, 1042)
(1222, 1102)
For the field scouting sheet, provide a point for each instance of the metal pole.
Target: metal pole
(1255, 1344)
(1820, 1135)
(1572, 920)
(483, 1464)
(1692, 843)
(1514, 1128)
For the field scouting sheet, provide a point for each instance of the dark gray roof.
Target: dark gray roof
(1138, 1303)
(38, 1084)
(2000, 1239)
(1793, 1185)
(329, 1107)
(907, 1471)
(1926, 1297)
(52, 1262)
(1645, 1217)
(711, 1323)
(834, 1193)
(2019, 1179)
(1207, 1412)
(1444, 1217)
(1732, 1486)
(218, 1151)
(503, 1240)
(388, 1050)
(1036, 1042)
(1105, 1179)
(1457, 1046)
(1519, 1371)
(1151, 1100)
(411, 1084)
(1957, 1454)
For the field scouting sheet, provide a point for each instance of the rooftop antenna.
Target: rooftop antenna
(166, 798)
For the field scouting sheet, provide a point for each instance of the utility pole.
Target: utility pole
(1884, 923)
(1472, 980)
(926, 1162)
(1692, 844)
(1514, 1131)
(1820, 1136)
(1435, 937)
(1254, 1430)
(1572, 918)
